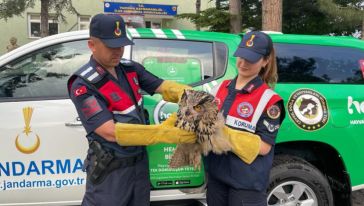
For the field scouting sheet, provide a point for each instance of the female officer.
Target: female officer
(253, 113)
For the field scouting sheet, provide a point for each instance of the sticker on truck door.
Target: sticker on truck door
(28, 141)
(308, 109)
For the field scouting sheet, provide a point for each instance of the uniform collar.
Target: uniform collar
(100, 69)
(93, 62)
(249, 87)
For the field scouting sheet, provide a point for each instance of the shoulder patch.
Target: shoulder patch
(91, 74)
(80, 91)
(273, 112)
(90, 107)
(126, 62)
(270, 127)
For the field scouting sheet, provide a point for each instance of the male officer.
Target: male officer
(106, 91)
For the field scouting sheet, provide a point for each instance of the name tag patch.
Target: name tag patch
(239, 123)
(244, 125)
(270, 127)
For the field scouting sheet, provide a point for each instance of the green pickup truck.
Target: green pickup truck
(318, 157)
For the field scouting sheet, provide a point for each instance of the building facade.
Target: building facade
(137, 13)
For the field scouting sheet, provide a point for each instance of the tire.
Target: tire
(294, 181)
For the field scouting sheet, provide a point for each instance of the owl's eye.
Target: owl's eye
(197, 108)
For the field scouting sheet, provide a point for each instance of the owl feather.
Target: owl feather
(198, 113)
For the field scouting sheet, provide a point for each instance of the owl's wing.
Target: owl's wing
(219, 143)
(186, 155)
(180, 156)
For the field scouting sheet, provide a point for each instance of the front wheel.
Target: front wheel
(294, 181)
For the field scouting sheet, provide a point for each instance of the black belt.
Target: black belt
(127, 161)
(104, 162)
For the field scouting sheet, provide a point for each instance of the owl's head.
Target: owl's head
(194, 107)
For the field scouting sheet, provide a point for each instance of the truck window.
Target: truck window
(33, 75)
(186, 62)
(319, 64)
(185, 70)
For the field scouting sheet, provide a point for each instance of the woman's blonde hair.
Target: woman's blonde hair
(269, 73)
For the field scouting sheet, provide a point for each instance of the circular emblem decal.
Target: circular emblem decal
(273, 112)
(245, 109)
(308, 109)
(163, 110)
(172, 71)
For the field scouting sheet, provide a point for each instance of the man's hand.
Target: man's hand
(136, 134)
(172, 91)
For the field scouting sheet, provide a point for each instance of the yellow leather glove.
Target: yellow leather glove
(137, 134)
(172, 91)
(244, 144)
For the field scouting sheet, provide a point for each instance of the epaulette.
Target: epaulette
(91, 74)
(126, 62)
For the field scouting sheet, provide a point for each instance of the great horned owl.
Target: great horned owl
(198, 113)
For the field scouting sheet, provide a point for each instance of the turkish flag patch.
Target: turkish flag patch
(80, 91)
(90, 107)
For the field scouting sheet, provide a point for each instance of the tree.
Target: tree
(218, 4)
(211, 18)
(10, 8)
(350, 12)
(216, 19)
(235, 16)
(272, 15)
(251, 11)
(298, 17)
(198, 11)
(304, 17)
(44, 11)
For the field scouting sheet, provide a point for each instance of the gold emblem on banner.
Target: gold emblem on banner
(27, 142)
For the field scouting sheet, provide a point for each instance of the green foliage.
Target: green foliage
(299, 16)
(349, 11)
(222, 4)
(307, 17)
(251, 12)
(60, 5)
(303, 17)
(212, 18)
(10, 8)
(217, 19)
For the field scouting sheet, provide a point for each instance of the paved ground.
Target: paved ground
(358, 198)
